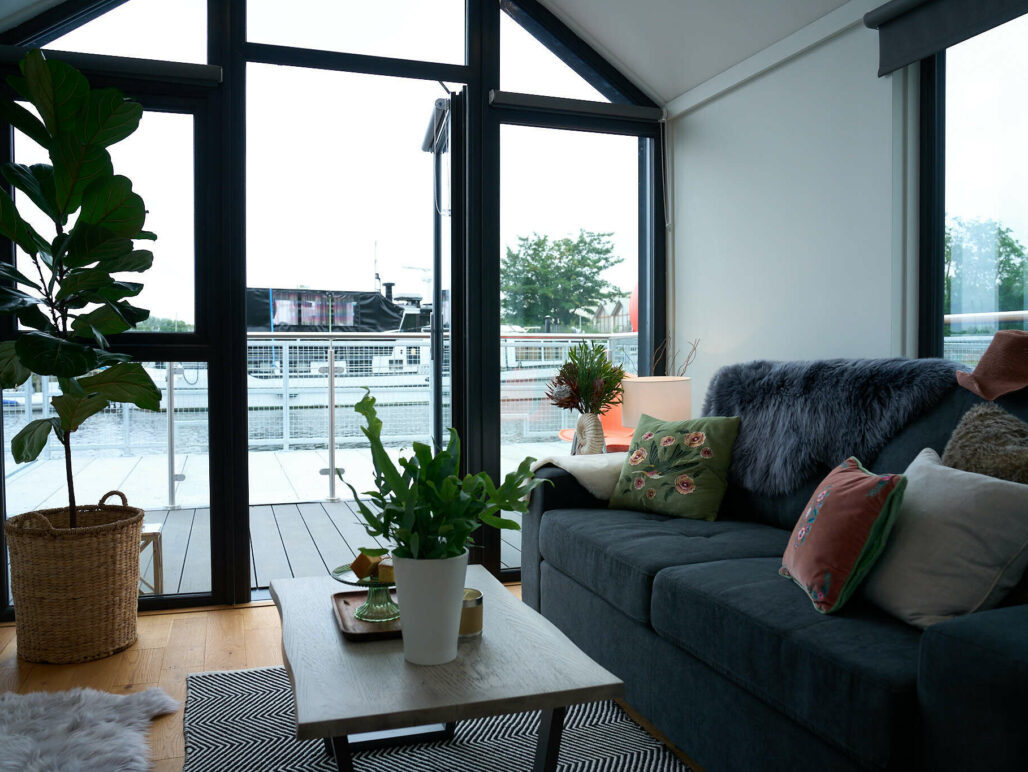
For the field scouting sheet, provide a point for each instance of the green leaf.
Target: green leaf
(105, 358)
(36, 182)
(40, 90)
(25, 122)
(109, 117)
(109, 203)
(76, 166)
(83, 279)
(8, 271)
(74, 410)
(12, 300)
(105, 320)
(89, 244)
(12, 372)
(14, 227)
(137, 261)
(119, 290)
(148, 235)
(27, 444)
(373, 552)
(32, 317)
(127, 382)
(48, 355)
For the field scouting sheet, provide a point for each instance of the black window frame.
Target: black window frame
(476, 325)
(931, 206)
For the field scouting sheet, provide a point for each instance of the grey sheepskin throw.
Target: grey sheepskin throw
(989, 440)
(81, 730)
(799, 417)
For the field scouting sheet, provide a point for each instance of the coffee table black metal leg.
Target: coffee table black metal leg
(551, 727)
(340, 748)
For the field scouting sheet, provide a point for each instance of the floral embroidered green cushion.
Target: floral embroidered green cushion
(677, 468)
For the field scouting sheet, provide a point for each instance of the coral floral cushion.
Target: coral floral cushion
(677, 468)
(841, 533)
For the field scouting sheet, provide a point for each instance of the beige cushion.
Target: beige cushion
(960, 544)
(989, 440)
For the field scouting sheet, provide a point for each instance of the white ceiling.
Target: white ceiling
(670, 46)
(666, 46)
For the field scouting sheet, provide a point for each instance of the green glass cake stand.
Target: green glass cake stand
(380, 606)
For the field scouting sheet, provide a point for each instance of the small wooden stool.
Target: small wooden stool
(152, 536)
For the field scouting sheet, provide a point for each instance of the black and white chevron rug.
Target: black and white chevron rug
(244, 720)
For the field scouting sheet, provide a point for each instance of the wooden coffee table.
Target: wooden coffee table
(342, 688)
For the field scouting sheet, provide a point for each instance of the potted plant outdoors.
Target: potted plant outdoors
(429, 513)
(589, 383)
(74, 570)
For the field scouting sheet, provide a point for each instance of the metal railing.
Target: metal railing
(293, 378)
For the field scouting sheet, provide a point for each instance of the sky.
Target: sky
(337, 185)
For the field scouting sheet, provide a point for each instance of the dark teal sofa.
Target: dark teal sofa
(733, 664)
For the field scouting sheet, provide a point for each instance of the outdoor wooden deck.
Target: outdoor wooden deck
(285, 540)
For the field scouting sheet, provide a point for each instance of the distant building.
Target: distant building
(612, 316)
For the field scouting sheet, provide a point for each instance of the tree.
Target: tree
(163, 324)
(552, 278)
(986, 268)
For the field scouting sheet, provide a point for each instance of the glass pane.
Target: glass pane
(162, 468)
(145, 29)
(569, 273)
(986, 205)
(529, 67)
(340, 300)
(158, 158)
(402, 29)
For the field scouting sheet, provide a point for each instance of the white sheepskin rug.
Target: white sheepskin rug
(81, 730)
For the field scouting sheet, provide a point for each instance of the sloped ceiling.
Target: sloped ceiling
(666, 46)
(14, 12)
(670, 46)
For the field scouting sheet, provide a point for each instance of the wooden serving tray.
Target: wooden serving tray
(353, 629)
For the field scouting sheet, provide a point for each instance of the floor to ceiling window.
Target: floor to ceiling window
(325, 180)
(986, 221)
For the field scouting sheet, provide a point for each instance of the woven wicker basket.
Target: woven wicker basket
(75, 589)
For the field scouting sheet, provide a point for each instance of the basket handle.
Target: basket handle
(119, 494)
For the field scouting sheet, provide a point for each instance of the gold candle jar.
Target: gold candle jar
(471, 613)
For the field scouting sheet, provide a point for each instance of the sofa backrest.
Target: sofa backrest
(931, 430)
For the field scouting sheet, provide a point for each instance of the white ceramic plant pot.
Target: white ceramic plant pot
(430, 594)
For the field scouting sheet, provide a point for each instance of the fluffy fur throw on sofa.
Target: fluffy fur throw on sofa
(799, 416)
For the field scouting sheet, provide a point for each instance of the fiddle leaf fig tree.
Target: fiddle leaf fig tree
(66, 297)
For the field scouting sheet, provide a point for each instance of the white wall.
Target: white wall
(787, 242)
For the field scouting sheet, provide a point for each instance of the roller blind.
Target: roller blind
(909, 30)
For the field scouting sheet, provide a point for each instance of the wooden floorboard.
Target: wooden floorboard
(349, 525)
(175, 540)
(269, 556)
(327, 539)
(304, 558)
(196, 572)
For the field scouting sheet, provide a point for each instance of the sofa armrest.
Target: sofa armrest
(562, 491)
(972, 686)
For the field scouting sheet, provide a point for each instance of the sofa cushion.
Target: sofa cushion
(841, 532)
(850, 678)
(677, 467)
(616, 553)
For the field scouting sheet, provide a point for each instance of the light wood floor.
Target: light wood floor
(171, 645)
